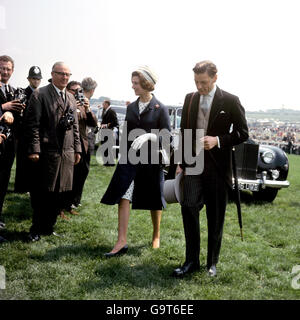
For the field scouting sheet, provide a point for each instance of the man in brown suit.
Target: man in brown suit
(53, 146)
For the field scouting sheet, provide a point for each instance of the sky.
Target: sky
(254, 43)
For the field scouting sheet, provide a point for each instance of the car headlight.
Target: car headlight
(268, 156)
(275, 174)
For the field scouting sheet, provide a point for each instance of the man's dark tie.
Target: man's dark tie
(62, 96)
(6, 91)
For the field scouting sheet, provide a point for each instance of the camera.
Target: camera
(79, 96)
(20, 95)
(67, 120)
(5, 129)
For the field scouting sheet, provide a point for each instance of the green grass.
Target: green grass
(74, 267)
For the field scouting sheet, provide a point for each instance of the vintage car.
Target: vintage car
(261, 169)
(121, 113)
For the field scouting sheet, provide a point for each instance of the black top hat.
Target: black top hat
(35, 72)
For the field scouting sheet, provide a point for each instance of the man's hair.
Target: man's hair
(59, 63)
(73, 83)
(88, 84)
(7, 59)
(107, 102)
(206, 66)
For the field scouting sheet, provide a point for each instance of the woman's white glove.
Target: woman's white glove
(139, 141)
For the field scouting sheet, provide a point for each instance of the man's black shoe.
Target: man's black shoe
(33, 237)
(2, 239)
(188, 267)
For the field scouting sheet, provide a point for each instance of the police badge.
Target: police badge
(36, 70)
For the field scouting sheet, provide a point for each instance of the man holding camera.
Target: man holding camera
(6, 119)
(15, 108)
(51, 130)
(86, 119)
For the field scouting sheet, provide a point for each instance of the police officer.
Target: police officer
(21, 179)
(34, 78)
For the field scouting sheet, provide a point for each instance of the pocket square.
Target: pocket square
(222, 111)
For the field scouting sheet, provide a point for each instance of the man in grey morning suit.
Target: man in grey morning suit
(222, 117)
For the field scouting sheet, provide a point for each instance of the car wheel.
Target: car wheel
(267, 194)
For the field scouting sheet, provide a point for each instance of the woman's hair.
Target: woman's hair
(88, 84)
(145, 84)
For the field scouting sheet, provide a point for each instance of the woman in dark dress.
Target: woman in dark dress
(139, 184)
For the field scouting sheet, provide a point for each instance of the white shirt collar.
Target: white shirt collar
(3, 86)
(105, 110)
(212, 91)
(208, 98)
(58, 90)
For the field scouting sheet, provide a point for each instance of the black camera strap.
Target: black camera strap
(62, 131)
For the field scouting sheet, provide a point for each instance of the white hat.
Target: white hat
(148, 74)
(173, 189)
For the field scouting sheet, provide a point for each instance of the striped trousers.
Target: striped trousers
(207, 189)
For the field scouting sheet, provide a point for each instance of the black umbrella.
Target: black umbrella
(237, 192)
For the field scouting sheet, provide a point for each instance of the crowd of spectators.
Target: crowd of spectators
(284, 136)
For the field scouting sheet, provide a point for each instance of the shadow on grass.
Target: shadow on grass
(84, 251)
(18, 207)
(294, 204)
(14, 236)
(248, 199)
(128, 270)
(146, 275)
